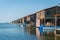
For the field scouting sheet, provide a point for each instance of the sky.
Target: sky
(14, 9)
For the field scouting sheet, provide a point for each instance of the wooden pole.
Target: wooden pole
(55, 24)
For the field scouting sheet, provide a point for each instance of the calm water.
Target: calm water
(14, 32)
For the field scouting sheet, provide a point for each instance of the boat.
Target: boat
(47, 29)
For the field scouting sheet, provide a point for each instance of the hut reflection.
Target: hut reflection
(31, 30)
(37, 34)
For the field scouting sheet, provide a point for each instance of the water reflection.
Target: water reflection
(35, 31)
(13, 32)
(49, 36)
(31, 30)
(37, 34)
(46, 36)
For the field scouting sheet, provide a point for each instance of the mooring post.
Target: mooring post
(55, 25)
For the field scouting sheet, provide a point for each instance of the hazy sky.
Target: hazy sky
(13, 9)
